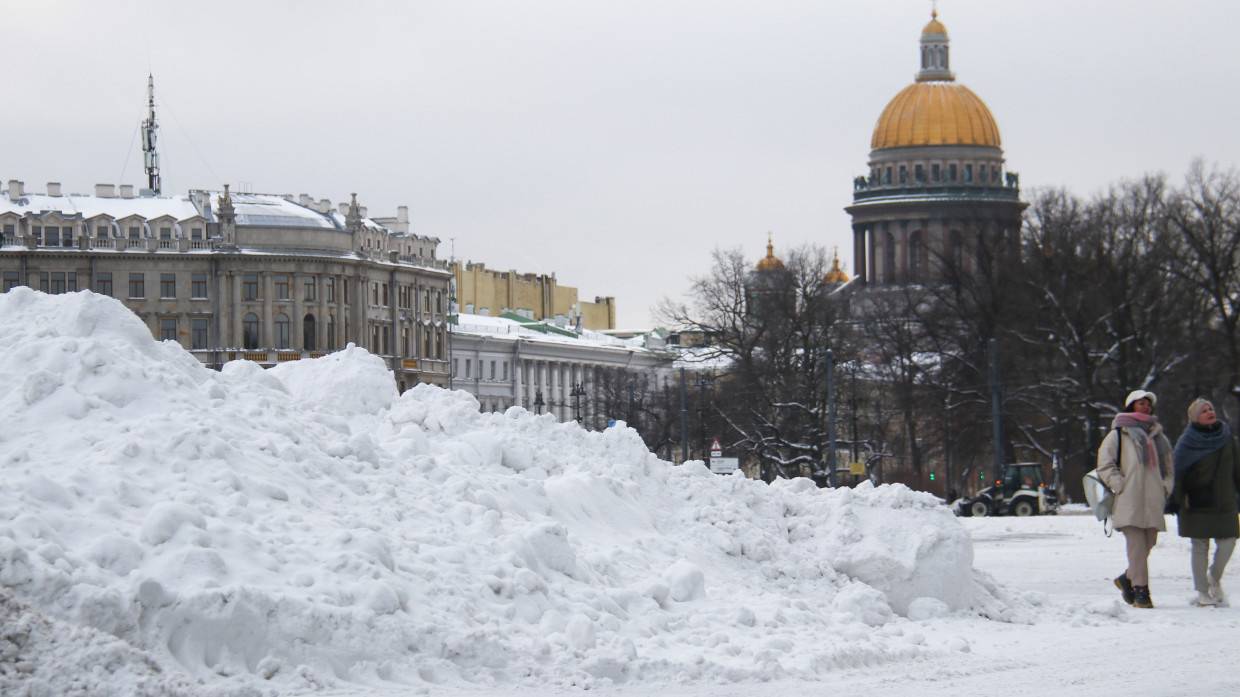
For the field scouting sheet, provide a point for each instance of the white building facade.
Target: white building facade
(544, 368)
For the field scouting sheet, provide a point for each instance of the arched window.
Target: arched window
(438, 343)
(282, 329)
(331, 332)
(916, 255)
(889, 258)
(307, 332)
(249, 331)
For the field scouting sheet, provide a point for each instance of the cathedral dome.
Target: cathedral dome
(770, 262)
(935, 113)
(935, 110)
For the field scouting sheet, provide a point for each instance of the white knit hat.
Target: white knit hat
(1139, 394)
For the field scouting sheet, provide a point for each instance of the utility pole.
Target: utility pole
(830, 417)
(996, 409)
(149, 127)
(684, 418)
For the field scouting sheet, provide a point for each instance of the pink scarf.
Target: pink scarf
(1142, 428)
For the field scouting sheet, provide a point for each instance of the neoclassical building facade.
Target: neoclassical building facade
(937, 189)
(240, 276)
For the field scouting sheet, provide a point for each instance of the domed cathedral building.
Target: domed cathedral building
(937, 188)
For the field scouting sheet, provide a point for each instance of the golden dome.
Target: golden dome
(934, 26)
(935, 113)
(836, 274)
(770, 262)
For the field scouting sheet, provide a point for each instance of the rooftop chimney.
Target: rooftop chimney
(325, 205)
(402, 214)
(344, 207)
(105, 190)
(16, 189)
(305, 200)
(53, 188)
(362, 210)
(126, 190)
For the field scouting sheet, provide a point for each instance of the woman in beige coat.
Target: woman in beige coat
(1134, 461)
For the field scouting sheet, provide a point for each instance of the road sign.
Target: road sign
(716, 450)
(723, 465)
(857, 468)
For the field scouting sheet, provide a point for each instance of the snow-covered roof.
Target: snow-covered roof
(484, 325)
(179, 207)
(266, 210)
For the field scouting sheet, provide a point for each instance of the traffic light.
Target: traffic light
(932, 476)
(981, 476)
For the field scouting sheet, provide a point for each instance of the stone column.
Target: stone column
(297, 330)
(859, 261)
(269, 335)
(320, 322)
(235, 313)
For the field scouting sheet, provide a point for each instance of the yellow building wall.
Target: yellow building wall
(539, 294)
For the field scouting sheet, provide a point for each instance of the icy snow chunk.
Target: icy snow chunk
(350, 382)
(863, 603)
(686, 581)
(117, 554)
(166, 518)
(546, 545)
(39, 385)
(580, 633)
(927, 609)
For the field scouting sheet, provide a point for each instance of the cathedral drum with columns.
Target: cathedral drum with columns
(936, 193)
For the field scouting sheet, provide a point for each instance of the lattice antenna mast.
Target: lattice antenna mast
(149, 127)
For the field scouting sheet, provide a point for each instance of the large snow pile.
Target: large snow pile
(306, 526)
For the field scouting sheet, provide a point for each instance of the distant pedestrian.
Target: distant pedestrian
(1207, 481)
(1134, 461)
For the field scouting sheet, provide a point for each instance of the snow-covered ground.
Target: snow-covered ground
(166, 529)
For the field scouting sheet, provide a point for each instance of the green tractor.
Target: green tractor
(1020, 492)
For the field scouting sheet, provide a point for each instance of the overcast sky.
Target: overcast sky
(613, 143)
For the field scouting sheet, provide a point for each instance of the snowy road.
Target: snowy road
(1083, 643)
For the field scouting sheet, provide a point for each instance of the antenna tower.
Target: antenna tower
(149, 127)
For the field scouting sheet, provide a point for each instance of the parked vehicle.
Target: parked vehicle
(1020, 492)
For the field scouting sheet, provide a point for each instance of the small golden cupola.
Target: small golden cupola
(770, 262)
(836, 275)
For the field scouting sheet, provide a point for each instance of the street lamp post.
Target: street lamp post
(538, 402)
(578, 391)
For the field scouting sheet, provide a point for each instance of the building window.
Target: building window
(249, 286)
(404, 341)
(167, 328)
(374, 293)
(385, 295)
(968, 174)
(101, 231)
(103, 283)
(426, 343)
(282, 329)
(195, 233)
(62, 282)
(505, 371)
(135, 233)
(44, 281)
(198, 286)
(438, 344)
(165, 233)
(281, 287)
(308, 332)
(456, 366)
(249, 331)
(168, 286)
(919, 173)
(887, 176)
(331, 332)
(439, 302)
(374, 338)
(936, 173)
(468, 367)
(994, 175)
(889, 258)
(951, 172)
(331, 290)
(308, 288)
(66, 236)
(198, 329)
(137, 286)
(12, 279)
(387, 339)
(426, 301)
(903, 174)
(37, 232)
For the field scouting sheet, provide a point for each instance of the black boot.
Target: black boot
(1142, 597)
(1125, 587)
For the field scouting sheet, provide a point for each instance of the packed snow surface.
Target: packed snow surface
(307, 527)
